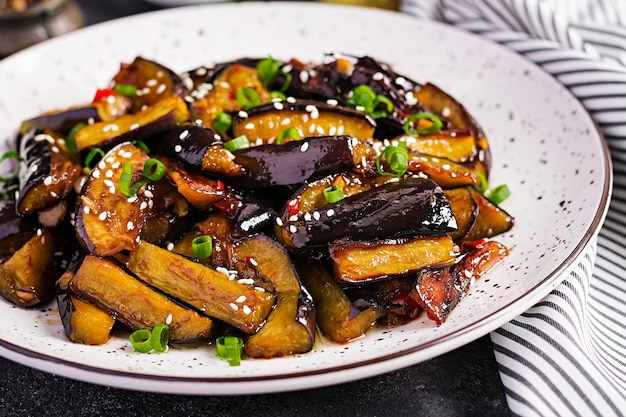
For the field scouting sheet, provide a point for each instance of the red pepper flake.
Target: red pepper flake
(293, 207)
(475, 244)
(236, 67)
(102, 94)
(251, 262)
(233, 95)
(219, 185)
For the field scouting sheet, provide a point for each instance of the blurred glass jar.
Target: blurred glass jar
(23, 24)
(382, 4)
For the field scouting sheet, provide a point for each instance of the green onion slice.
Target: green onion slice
(363, 97)
(268, 69)
(484, 184)
(288, 133)
(240, 142)
(70, 141)
(436, 125)
(11, 155)
(141, 340)
(397, 158)
(126, 178)
(202, 247)
(276, 96)
(141, 145)
(159, 337)
(229, 348)
(125, 89)
(153, 169)
(377, 114)
(333, 194)
(222, 122)
(499, 194)
(247, 97)
(95, 153)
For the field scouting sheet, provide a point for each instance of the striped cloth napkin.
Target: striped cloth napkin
(566, 356)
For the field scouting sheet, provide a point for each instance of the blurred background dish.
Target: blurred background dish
(25, 22)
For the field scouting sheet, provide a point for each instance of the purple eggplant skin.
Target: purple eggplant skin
(259, 211)
(410, 207)
(62, 121)
(188, 143)
(36, 157)
(306, 311)
(309, 158)
(15, 230)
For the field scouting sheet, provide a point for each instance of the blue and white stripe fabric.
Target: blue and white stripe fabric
(566, 356)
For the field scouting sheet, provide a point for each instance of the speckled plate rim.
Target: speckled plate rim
(357, 369)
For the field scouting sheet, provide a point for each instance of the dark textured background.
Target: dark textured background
(464, 382)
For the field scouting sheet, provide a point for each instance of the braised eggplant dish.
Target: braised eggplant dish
(262, 201)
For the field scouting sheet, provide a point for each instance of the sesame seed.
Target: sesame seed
(48, 181)
(222, 270)
(132, 199)
(241, 299)
(330, 212)
(168, 319)
(143, 205)
(304, 76)
(259, 142)
(53, 194)
(278, 105)
(183, 135)
(253, 262)
(285, 121)
(130, 225)
(150, 204)
(307, 216)
(151, 82)
(248, 281)
(287, 68)
(304, 147)
(243, 114)
(312, 128)
(378, 76)
(198, 121)
(293, 218)
(217, 137)
(332, 131)
(108, 183)
(360, 108)
(332, 102)
(39, 232)
(111, 99)
(178, 148)
(91, 121)
(249, 126)
(316, 215)
(109, 174)
(112, 189)
(279, 222)
(86, 210)
(246, 310)
(170, 246)
(102, 165)
(54, 149)
(259, 289)
(292, 228)
(161, 88)
(291, 100)
(111, 128)
(102, 216)
(400, 81)
(234, 306)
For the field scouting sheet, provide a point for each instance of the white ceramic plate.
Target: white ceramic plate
(545, 147)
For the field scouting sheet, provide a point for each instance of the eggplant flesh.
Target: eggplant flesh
(410, 207)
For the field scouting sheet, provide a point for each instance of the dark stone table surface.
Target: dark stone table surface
(464, 382)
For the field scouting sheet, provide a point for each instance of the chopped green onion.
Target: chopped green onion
(499, 194)
(229, 348)
(127, 90)
(276, 95)
(484, 184)
(141, 145)
(366, 100)
(247, 97)
(268, 69)
(70, 141)
(240, 142)
(93, 154)
(222, 122)
(436, 125)
(11, 155)
(153, 169)
(159, 337)
(202, 247)
(288, 133)
(141, 340)
(397, 158)
(126, 178)
(333, 194)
